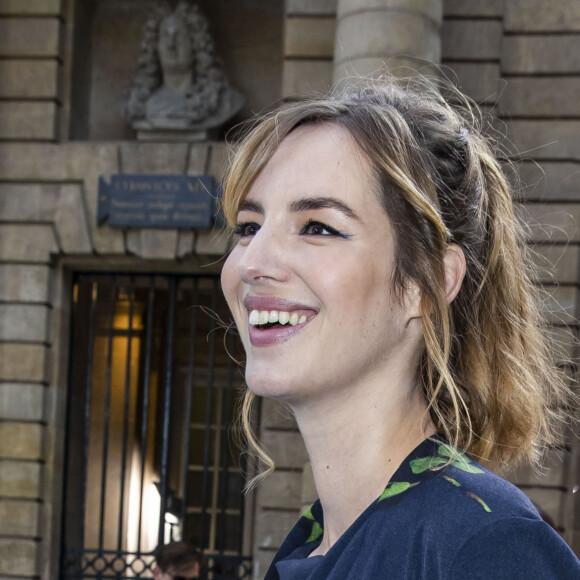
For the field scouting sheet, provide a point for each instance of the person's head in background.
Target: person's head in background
(177, 561)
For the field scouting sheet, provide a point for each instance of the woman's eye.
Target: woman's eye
(246, 229)
(313, 228)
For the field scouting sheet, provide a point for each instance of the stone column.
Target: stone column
(374, 36)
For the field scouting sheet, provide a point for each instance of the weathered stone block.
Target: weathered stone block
(20, 283)
(213, 242)
(88, 162)
(32, 162)
(304, 77)
(26, 242)
(487, 8)
(385, 34)
(158, 244)
(197, 163)
(562, 342)
(262, 560)
(296, 7)
(561, 305)
(286, 448)
(22, 362)
(551, 222)
(480, 81)
(21, 402)
(218, 158)
(541, 97)
(29, 79)
(541, 16)
(541, 54)
(18, 558)
(471, 39)
(72, 222)
(272, 527)
(26, 322)
(309, 37)
(20, 478)
(557, 263)
(29, 37)
(19, 518)
(551, 473)
(154, 158)
(281, 490)
(36, 7)
(27, 120)
(185, 241)
(550, 181)
(20, 441)
(546, 139)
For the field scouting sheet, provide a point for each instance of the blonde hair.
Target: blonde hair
(486, 371)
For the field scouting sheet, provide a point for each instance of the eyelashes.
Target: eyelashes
(311, 228)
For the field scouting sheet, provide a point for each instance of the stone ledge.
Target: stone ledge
(550, 180)
(551, 222)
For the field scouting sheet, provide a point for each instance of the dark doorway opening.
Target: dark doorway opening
(151, 455)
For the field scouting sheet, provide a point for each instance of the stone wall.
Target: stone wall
(520, 59)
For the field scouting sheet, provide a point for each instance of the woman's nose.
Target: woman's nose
(264, 259)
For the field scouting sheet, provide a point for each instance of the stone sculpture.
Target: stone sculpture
(180, 84)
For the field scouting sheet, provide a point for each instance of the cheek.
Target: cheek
(230, 279)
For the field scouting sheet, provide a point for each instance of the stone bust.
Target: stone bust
(180, 84)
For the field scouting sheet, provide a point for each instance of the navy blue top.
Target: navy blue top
(442, 516)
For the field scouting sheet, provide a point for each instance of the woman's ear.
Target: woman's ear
(454, 264)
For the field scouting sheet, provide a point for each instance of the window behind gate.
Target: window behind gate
(150, 452)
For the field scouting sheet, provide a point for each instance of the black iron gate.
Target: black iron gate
(150, 454)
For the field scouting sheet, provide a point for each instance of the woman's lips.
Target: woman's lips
(273, 320)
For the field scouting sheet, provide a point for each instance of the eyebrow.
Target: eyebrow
(306, 204)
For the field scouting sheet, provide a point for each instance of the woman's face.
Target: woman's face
(315, 251)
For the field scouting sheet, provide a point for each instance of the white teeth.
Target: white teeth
(261, 317)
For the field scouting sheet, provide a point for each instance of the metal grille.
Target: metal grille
(150, 456)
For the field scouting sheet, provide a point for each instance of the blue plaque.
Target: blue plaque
(157, 201)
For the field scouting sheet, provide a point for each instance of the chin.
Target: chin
(268, 384)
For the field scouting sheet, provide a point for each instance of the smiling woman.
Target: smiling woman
(378, 285)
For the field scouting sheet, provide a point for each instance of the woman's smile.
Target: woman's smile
(309, 280)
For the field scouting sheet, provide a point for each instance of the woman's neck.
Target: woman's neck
(358, 446)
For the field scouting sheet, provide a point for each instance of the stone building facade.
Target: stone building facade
(520, 59)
